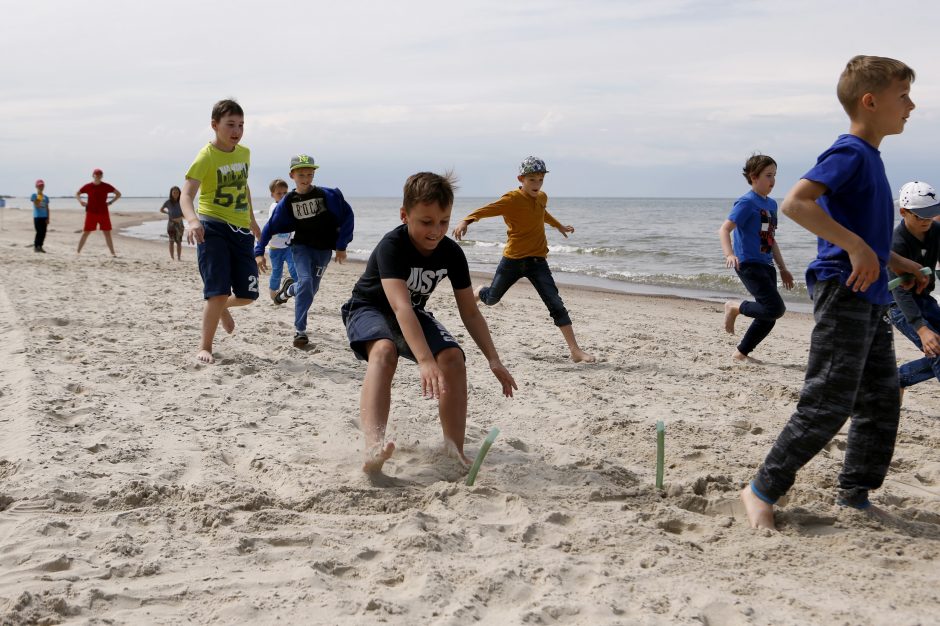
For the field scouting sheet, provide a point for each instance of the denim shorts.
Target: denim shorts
(227, 262)
(365, 322)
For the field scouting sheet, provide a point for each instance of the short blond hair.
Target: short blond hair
(868, 74)
(276, 183)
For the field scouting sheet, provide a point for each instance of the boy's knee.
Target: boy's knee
(778, 310)
(487, 298)
(450, 359)
(383, 353)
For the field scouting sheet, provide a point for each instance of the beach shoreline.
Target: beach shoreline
(137, 486)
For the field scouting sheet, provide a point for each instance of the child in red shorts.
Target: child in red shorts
(96, 208)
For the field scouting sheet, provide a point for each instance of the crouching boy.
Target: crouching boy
(386, 318)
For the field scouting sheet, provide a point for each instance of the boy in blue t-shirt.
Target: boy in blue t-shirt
(917, 315)
(385, 318)
(847, 202)
(40, 215)
(753, 220)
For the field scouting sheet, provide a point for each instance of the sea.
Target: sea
(666, 246)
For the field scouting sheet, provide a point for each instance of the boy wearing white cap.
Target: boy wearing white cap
(917, 315)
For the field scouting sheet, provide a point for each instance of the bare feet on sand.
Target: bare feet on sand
(227, 322)
(743, 358)
(476, 292)
(205, 356)
(732, 309)
(759, 513)
(376, 457)
(580, 356)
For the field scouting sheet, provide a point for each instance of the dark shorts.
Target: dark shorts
(365, 323)
(94, 219)
(174, 230)
(227, 262)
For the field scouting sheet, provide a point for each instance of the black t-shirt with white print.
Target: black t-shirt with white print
(396, 257)
(316, 225)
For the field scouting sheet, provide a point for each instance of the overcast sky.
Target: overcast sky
(621, 98)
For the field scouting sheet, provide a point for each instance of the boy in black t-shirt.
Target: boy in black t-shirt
(385, 319)
(321, 221)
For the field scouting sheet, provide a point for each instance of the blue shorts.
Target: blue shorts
(227, 261)
(364, 323)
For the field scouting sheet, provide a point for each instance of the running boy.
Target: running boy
(524, 211)
(917, 315)
(40, 215)
(386, 318)
(322, 221)
(753, 220)
(225, 227)
(96, 208)
(847, 202)
(279, 246)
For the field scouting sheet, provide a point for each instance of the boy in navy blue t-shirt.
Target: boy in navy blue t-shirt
(753, 221)
(386, 318)
(847, 202)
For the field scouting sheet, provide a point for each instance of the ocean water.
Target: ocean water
(636, 245)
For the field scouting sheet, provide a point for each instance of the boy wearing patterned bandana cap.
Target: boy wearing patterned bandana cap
(524, 211)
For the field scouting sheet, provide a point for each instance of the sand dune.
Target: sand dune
(139, 487)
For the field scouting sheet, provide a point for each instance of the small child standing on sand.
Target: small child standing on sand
(224, 230)
(40, 215)
(852, 373)
(279, 246)
(174, 221)
(917, 315)
(386, 318)
(321, 221)
(753, 220)
(524, 211)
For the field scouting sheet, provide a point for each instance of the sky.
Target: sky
(621, 98)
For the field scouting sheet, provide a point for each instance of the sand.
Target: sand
(139, 487)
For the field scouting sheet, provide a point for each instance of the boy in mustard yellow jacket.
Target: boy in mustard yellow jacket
(524, 212)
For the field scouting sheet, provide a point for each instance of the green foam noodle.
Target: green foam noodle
(477, 462)
(660, 452)
(895, 283)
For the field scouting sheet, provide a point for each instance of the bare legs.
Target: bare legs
(577, 354)
(215, 313)
(107, 239)
(376, 399)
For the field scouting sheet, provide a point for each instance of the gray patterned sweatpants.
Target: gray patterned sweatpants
(851, 373)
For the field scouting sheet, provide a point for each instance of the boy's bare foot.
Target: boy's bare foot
(205, 356)
(759, 513)
(901, 399)
(743, 358)
(376, 457)
(227, 322)
(580, 356)
(732, 309)
(476, 292)
(451, 449)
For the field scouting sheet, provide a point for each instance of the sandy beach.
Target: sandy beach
(139, 487)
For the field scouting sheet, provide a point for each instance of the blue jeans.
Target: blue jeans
(280, 256)
(310, 264)
(925, 368)
(761, 281)
(536, 269)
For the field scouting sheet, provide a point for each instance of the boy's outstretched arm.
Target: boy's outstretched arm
(727, 248)
(490, 210)
(478, 329)
(432, 378)
(785, 276)
(800, 206)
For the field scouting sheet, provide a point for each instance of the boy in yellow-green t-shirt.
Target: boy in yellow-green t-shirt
(224, 227)
(524, 211)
